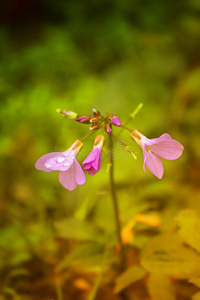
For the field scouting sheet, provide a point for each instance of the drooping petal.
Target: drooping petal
(154, 164)
(61, 162)
(80, 176)
(91, 157)
(40, 164)
(92, 163)
(95, 163)
(68, 178)
(166, 147)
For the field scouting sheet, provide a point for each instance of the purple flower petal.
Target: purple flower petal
(61, 162)
(92, 156)
(153, 163)
(92, 163)
(80, 176)
(166, 147)
(72, 177)
(68, 178)
(40, 164)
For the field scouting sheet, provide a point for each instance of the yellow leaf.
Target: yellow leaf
(189, 224)
(196, 296)
(160, 287)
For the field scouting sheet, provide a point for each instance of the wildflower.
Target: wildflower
(114, 119)
(92, 163)
(71, 173)
(155, 149)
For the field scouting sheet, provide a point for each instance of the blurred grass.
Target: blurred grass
(79, 56)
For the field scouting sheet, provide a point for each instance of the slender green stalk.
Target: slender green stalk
(115, 204)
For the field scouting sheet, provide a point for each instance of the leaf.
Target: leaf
(78, 230)
(166, 254)
(160, 287)
(196, 296)
(131, 275)
(189, 224)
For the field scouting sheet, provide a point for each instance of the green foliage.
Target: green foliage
(78, 230)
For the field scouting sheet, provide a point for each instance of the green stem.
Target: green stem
(115, 204)
(127, 128)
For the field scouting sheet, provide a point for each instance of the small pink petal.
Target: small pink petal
(92, 163)
(154, 164)
(61, 162)
(166, 147)
(92, 156)
(40, 164)
(68, 178)
(72, 177)
(80, 176)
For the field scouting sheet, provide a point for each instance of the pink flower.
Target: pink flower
(92, 163)
(71, 173)
(155, 149)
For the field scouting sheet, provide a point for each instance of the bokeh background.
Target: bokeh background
(78, 55)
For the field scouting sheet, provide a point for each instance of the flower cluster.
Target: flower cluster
(70, 172)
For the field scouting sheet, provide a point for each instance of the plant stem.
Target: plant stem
(115, 204)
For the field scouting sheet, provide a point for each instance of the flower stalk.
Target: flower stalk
(115, 203)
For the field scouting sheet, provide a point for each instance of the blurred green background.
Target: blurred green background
(78, 55)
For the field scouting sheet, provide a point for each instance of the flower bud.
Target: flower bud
(84, 119)
(94, 120)
(114, 119)
(94, 127)
(95, 112)
(67, 113)
(108, 128)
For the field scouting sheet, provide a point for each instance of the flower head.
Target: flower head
(155, 149)
(71, 173)
(92, 163)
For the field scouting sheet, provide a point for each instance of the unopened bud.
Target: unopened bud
(108, 128)
(95, 112)
(114, 119)
(94, 127)
(67, 113)
(84, 119)
(94, 120)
